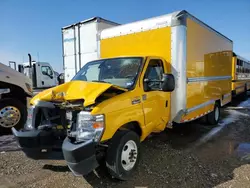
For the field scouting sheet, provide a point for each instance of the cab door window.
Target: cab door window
(46, 70)
(153, 75)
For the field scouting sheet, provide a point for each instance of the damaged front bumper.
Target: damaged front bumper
(43, 132)
(81, 157)
(40, 144)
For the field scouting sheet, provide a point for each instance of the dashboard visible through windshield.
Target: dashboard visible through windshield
(122, 72)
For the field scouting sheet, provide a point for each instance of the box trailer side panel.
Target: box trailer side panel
(80, 44)
(156, 42)
(69, 51)
(209, 56)
(89, 40)
(88, 37)
(102, 25)
(200, 58)
(88, 43)
(150, 37)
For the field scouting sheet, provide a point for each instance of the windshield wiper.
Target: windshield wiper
(100, 81)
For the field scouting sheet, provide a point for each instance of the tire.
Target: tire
(17, 108)
(244, 95)
(214, 117)
(121, 142)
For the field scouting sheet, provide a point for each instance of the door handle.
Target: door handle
(144, 97)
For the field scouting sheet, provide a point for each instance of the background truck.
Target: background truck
(15, 92)
(240, 75)
(152, 73)
(41, 73)
(80, 44)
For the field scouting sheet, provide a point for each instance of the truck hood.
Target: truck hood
(14, 77)
(4, 69)
(75, 90)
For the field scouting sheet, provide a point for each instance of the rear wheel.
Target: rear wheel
(13, 113)
(213, 117)
(244, 95)
(123, 154)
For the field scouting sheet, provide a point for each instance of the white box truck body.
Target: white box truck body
(80, 44)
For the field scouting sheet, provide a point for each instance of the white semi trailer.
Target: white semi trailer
(80, 43)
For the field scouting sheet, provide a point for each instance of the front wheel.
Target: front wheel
(13, 113)
(123, 154)
(213, 117)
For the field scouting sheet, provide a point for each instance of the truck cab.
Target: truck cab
(110, 97)
(42, 74)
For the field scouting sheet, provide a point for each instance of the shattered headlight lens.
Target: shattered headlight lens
(28, 124)
(89, 127)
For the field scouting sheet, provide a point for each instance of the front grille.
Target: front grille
(70, 105)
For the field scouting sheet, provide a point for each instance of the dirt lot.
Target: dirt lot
(190, 155)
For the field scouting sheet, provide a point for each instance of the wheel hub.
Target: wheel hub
(129, 155)
(9, 116)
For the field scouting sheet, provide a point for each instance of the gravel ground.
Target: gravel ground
(190, 155)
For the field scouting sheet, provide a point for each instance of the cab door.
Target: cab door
(47, 76)
(156, 103)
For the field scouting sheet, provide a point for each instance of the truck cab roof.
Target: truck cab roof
(33, 62)
(133, 56)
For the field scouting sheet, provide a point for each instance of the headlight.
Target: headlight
(29, 88)
(89, 127)
(28, 125)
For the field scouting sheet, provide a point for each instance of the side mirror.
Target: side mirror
(168, 82)
(21, 68)
(145, 85)
(60, 78)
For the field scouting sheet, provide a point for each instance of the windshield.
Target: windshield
(119, 71)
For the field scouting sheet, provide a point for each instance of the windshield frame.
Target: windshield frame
(140, 68)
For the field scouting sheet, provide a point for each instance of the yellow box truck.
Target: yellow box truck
(240, 75)
(172, 68)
